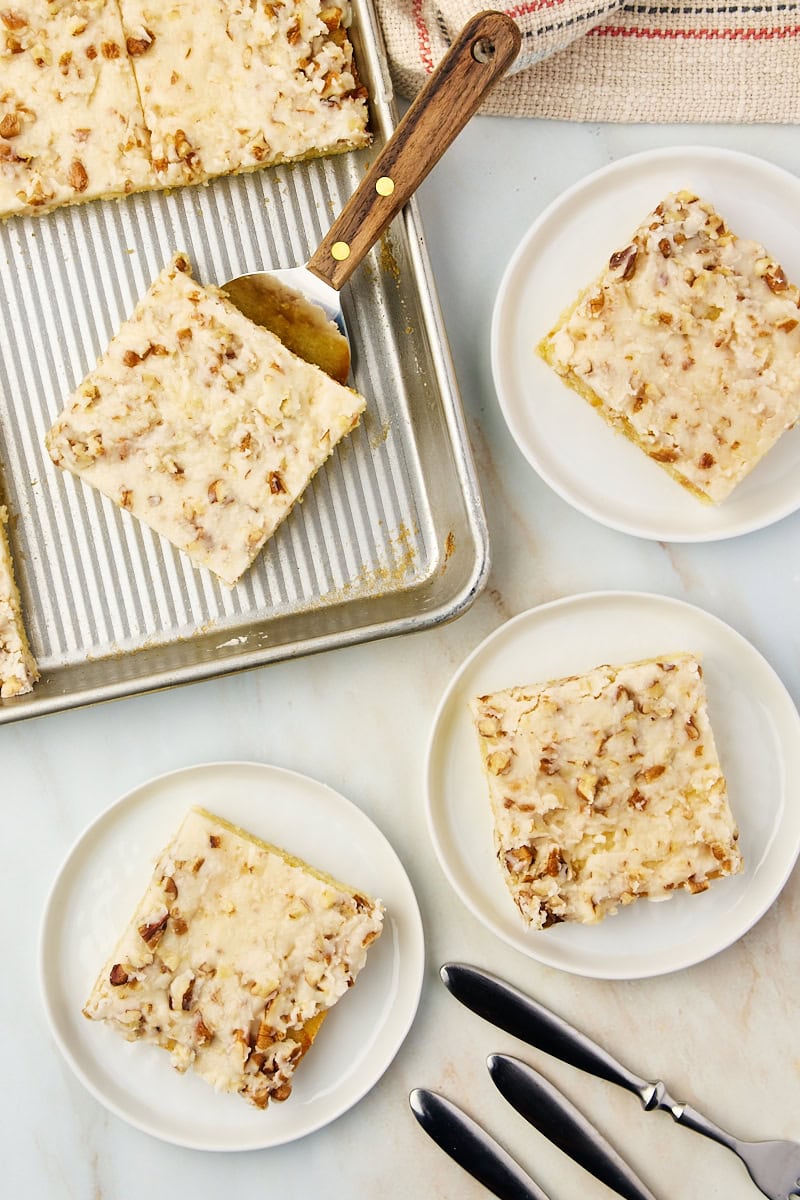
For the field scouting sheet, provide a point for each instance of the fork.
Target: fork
(774, 1167)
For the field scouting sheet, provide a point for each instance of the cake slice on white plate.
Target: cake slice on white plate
(233, 957)
(201, 423)
(606, 788)
(688, 342)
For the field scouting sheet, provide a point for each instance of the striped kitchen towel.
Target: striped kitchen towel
(604, 60)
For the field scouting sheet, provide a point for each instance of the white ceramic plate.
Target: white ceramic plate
(591, 466)
(103, 879)
(757, 731)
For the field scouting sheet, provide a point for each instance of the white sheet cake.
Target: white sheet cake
(71, 126)
(228, 85)
(688, 343)
(201, 423)
(233, 957)
(18, 670)
(606, 788)
(106, 97)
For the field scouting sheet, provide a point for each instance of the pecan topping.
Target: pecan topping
(276, 484)
(626, 259)
(118, 975)
(554, 862)
(706, 460)
(77, 177)
(136, 46)
(775, 279)
(110, 50)
(13, 20)
(151, 934)
(202, 1032)
(10, 127)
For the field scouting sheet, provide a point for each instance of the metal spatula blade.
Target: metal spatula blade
(301, 305)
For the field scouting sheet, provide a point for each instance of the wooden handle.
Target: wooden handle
(480, 55)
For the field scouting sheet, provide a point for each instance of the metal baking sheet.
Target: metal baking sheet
(390, 536)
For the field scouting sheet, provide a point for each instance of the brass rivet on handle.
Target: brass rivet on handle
(340, 251)
(384, 186)
(483, 51)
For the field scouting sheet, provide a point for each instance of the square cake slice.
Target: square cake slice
(18, 671)
(71, 125)
(233, 957)
(604, 788)
(201, 423)
(689, 343)
(228, 87)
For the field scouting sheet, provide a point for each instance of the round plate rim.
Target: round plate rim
(543, 954)
(642, 158)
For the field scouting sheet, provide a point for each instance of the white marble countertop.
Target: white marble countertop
(723, 1034)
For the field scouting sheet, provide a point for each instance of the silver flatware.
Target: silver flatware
(549, 1111)
(773, 1166)
(471, 1147)
(301, 305)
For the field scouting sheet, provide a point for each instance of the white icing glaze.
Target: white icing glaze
(690, 340)
(606, 787)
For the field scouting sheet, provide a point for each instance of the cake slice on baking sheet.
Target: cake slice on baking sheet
(201, 423)
(18, 671)
(688, 342)
(605, 788)
(233, 957)
(71, 125)
(229, 87)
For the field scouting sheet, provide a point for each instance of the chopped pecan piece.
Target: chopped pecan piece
(77, 176)
(138, 45)
(10, 126)
(626, 259)
(151, 934)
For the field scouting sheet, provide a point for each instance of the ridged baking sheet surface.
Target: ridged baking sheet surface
(98, 585)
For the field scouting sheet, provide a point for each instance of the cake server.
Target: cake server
(773, 1166)
(471, 1147)
(301, 305)
(543, 1105)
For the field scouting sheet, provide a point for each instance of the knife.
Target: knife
(553, 1115)
(526, 1019)
(472, 1147)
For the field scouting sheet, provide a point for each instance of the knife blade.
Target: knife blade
(524, 1018)
(543, 1105)
(471, 1147)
